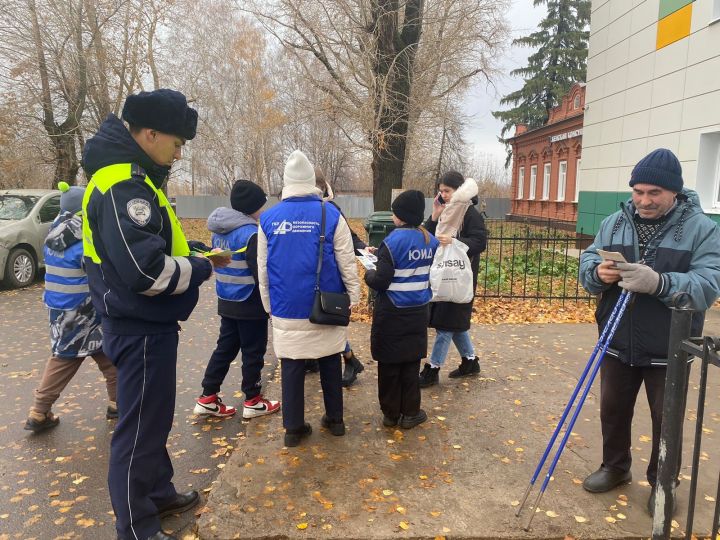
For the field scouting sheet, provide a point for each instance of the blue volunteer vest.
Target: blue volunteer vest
(292, 229)
(66, 283)
(235, 282)
(412, 258)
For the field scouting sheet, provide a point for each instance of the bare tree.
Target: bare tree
(225, 71)
(51, 63)
(366, 56)
(71, 63)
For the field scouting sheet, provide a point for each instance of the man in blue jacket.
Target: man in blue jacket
(671, 247)
(143, 280)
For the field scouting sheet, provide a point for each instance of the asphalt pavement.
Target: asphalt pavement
(54, 485)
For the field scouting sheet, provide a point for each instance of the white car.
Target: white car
(25, 218)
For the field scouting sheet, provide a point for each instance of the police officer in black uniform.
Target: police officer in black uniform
(143, 280)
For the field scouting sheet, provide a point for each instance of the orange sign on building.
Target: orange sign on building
(546, 161)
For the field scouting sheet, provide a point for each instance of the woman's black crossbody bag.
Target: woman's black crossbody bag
(329, 308)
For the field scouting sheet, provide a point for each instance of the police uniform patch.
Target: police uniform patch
(139, 211)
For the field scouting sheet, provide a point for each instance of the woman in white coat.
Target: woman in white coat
(288, 244)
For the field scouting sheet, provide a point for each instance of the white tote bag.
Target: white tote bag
(451, 278)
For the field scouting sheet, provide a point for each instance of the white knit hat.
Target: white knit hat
(298, 170)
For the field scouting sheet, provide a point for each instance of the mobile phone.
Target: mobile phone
(440, 199)
(615, 256)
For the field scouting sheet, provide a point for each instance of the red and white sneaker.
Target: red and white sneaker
(213, 406)
(259, 406)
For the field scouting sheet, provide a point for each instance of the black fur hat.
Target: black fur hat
(164, 110)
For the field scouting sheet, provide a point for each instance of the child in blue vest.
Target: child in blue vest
(75, 331)
(398, 336)
(243, 320)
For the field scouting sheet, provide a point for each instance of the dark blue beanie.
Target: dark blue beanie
(164, 110)
(661, 168)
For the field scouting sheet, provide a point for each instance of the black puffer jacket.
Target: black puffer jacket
(456, 317)
(397, 335)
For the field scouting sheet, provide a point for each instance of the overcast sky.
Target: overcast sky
(482, 129)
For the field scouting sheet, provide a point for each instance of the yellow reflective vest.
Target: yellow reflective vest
(107, 177)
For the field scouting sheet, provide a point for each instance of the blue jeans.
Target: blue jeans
(442, 346)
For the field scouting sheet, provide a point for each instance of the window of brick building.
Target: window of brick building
(533, 183)
(562, 180)
(521, 183)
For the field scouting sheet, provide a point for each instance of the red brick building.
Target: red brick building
(546, 161)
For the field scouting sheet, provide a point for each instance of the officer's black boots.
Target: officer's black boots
(182, 503)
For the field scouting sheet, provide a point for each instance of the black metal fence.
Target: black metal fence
(532, 259)
(681, 348)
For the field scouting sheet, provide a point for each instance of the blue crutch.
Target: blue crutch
(602, 345)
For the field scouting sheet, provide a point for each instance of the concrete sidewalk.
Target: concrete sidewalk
(461, 474)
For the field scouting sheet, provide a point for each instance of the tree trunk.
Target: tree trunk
(387, 166)
(394, 64)
(62, 135)
(66, 161)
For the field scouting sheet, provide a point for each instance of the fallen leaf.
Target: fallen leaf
(404, 525)
(551, 514)
(580, 519)
(302, 526)
(515, 503)
(610, 519)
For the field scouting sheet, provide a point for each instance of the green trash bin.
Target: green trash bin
(378, 225)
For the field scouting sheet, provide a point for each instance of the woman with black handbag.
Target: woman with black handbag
(308, 280)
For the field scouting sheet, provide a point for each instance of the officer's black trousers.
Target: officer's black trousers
(293, 389)
(399, 388)
(247, 335)
(140, 476)
(619, 388)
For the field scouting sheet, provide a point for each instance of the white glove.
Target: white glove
(639, 278)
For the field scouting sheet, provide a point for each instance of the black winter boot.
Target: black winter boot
(468, 367)
(353, 366)
(429, 376)
(409, 422)
(294, 436)
(336, 427)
